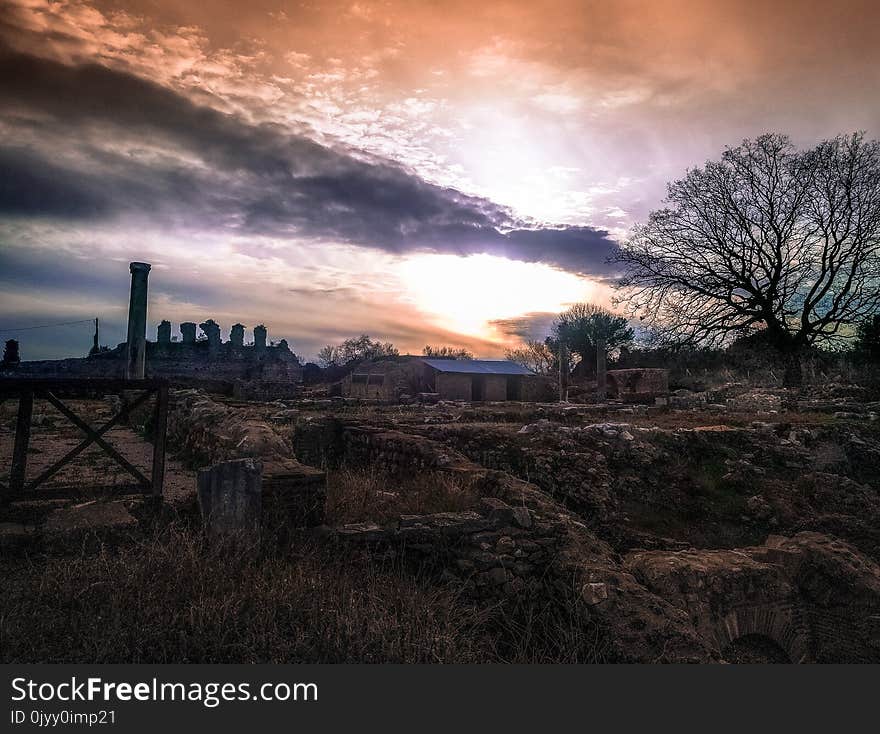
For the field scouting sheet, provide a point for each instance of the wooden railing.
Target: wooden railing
(53, 390)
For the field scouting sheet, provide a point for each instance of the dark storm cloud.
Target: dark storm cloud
(93, 136)
(31, 185)
(531, 326)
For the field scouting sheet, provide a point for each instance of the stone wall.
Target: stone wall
(202, 364)
(205, 432)
(816, 597)
(263, 390)
(638, 385)
(495, 550)
(504, 546)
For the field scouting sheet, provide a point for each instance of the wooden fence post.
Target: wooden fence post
(160, 430)
(22, 441)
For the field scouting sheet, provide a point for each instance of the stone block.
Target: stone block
(230, 496)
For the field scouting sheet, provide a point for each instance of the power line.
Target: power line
(49, 326)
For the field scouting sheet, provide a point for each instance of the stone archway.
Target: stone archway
(754, 648)
(764, 631)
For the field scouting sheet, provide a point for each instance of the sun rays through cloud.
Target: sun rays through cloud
(415, 171)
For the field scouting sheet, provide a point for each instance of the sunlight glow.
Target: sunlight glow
(465, 294)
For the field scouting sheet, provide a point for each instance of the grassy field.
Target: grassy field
(167, 594)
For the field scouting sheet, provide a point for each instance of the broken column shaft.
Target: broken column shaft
(163, 333)
(260, 338)
(135, 348)
(188, 332)
(212, 331)
(236, 335)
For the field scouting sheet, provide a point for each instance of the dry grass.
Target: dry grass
(174, 597)
(360, 495)
(170, 596)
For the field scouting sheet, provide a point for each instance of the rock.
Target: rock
(594, 593)
(364, 532)
(522, 517)
(497, 511)
(759, 508)
(540, 425)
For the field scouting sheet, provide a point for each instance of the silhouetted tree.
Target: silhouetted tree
(447, 352)
(867, 346)
(537, 356)
(583, 325)
(769, 238)
(355, 349)
(11, 356)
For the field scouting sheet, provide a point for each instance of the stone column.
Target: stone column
(231, 497)
(135, 347)
(260, 338)
(563, 373)
(212, 331)
(163, 333)
(188, 332)
(601, 373)
(236, 335)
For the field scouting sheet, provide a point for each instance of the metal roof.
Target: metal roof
(478, 366)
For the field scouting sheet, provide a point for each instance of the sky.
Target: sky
(424, 172)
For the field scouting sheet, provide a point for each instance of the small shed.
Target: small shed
(478, 379)
(451, 379)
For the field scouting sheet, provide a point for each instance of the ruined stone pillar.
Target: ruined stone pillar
(163, 333)
(231, 497)
(260, 338)
(236, 335)
(188, 332)
(212, 331)
(136, 344)
(601, 372)
(563, 373)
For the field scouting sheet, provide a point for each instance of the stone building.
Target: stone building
(254, 371)
(448, 379)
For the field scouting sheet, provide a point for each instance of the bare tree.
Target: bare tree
(537, 356)
(355, 349)
(446, 352)
(768, 238)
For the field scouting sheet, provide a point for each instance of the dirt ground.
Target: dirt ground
(93, 473)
